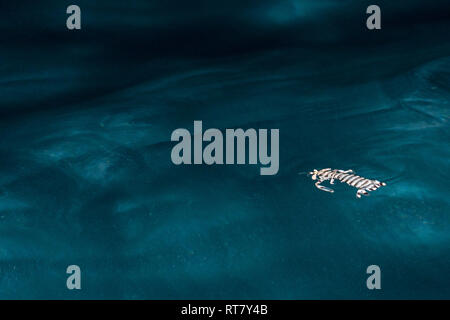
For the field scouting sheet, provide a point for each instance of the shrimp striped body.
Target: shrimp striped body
(362, 184)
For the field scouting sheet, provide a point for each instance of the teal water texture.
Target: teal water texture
(86, 176)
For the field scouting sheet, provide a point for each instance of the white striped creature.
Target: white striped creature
(362, 184)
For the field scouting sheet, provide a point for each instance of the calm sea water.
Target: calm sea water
(86, 176)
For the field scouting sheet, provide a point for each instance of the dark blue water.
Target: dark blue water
(85, 170)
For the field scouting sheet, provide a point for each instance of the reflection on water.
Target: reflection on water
(86, 177)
